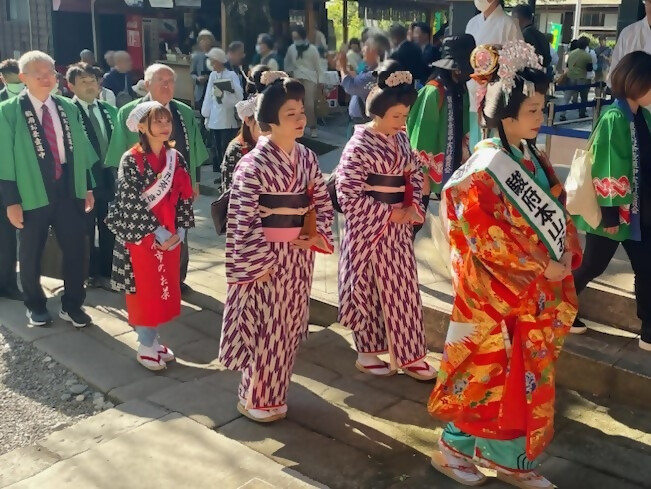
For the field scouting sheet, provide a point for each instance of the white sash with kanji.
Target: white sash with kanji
(544, 213)
(154, 194)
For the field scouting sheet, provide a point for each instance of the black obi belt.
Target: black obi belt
(283, 210)
(389, 189)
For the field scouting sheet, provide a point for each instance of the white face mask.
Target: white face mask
(483, 5)
(258, 49)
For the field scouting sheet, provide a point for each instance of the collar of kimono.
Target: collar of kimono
(36, 132)
(163, 184)
(634, 215)
(542, 211)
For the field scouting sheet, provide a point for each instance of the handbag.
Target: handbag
(219, 212)
(581, 195)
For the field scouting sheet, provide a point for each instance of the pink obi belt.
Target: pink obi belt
(283, 215)
(389, 189)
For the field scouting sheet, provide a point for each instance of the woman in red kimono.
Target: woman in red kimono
(150, 216)
(513, 247)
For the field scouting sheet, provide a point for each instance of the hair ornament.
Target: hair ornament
(246, 108)
(269, 77)
(505, 61)
(513, 57)
(399, 78)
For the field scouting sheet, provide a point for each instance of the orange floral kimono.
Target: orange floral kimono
(506, 219)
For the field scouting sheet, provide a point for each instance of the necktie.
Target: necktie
(51, 136)
(101, 137)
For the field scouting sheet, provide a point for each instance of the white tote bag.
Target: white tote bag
(441, 260)
(581, 196)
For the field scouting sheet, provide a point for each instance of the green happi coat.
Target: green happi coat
(428, 130)
(613, 177)
(190, 145)
(26, 167)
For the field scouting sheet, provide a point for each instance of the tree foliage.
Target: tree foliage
(356, 23)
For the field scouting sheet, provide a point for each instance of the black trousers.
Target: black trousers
(101, 254)
(8, 252)
(596, 257)
(221, 138)
(69, 222)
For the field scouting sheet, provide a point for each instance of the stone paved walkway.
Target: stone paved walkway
(344, 429)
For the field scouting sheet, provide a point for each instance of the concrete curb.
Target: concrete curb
(590, 364)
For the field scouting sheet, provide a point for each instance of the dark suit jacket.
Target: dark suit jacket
(104, 179)
(116, 82)
(430, 54)
(410, 58)
(540, 43)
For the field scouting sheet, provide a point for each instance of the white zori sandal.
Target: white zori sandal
(420, 370)
(263, 415)
(526, 480)
(151, 363)
(456, 468)
(166, 354)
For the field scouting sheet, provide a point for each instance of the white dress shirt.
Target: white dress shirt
(497, 28)
(98, 114)
(307, 67)
(635, 37)
(221, 114)
(54, 113)
(106, 95)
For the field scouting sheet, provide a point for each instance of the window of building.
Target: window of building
(593, 19)
(17, 10)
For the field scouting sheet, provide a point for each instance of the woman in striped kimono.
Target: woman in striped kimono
(378, 184)
(279, 215)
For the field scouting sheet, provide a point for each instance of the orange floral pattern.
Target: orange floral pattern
(508, 322)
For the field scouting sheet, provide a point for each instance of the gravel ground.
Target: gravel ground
(37, 395)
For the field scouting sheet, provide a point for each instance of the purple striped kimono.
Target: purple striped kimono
(264, 322)
(379, 297)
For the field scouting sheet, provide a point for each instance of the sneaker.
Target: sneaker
(578, 327)
(644, 345)
(79, 319)
(39, 318)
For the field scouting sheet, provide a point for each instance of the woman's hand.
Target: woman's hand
(399, 215)
(555, 271)
(613, 230)
(305, 242)
(170, 243)
(265, 278)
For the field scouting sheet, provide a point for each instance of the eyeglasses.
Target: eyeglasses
(42, 76)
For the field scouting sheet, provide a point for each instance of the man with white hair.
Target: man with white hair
(160, 81)
(45, 181)
(87, 56)
(118, 80)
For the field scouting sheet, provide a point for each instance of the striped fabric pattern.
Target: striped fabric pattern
(379, 297)
(264, 322)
